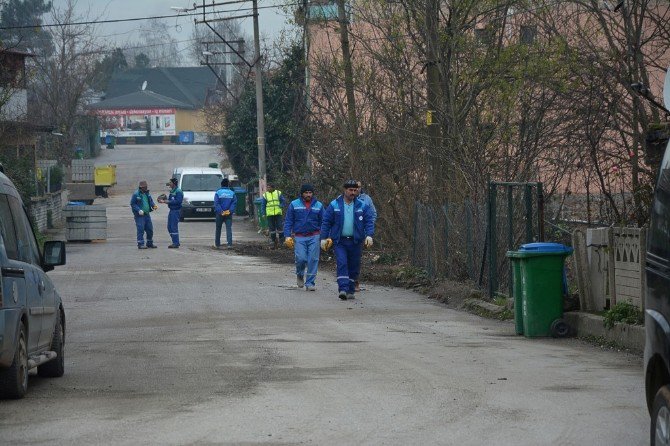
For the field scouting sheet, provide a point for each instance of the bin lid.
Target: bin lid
(545, 247)
(258, 200)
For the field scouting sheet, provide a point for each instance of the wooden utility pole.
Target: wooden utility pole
(352, 125)
(260, 122)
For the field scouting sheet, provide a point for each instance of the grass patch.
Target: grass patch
(623, 312)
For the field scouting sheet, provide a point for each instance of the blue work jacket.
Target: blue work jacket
(225, 200)
(175, 199)
(136, 202)
(300, 220)
(333, 220)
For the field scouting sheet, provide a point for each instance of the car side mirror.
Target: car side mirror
(54, 254)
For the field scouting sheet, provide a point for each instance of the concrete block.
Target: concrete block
(586, 324)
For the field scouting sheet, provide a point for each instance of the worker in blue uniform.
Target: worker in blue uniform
(142, 204)
(174, 200)
(348, 225)
(225, 202)
(301, 232)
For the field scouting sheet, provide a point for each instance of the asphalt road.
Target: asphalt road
(195, 346)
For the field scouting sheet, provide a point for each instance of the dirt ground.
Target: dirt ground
(379, 268)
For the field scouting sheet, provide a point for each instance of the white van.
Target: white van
(198, 185)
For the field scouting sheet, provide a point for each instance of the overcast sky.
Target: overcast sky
(271, 20)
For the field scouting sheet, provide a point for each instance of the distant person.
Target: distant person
(272, 204)
(348, 226)
(361, 195)
(142, 204)
(225, 202)
(301, 229)
(174, 201)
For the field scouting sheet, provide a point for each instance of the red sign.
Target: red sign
(135, 111)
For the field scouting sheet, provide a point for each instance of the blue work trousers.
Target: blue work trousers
(348, 257)
(220, 220)
(307, 256)
(173, 226)
(143, 224)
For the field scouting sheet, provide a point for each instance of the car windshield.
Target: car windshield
(201, 182)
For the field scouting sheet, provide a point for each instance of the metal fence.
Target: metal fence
(469, 241)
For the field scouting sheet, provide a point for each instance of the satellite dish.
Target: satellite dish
(666, 89)
(144, 85)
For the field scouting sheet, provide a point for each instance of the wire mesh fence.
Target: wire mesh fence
(469, 241)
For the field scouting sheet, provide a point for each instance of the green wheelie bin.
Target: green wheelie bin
(262, 219)
(542, 284)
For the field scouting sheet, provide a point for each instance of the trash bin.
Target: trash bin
(185, 137)
(241, 194)
(517, 294)
(214, 165)
(541, 281)
(262, 219)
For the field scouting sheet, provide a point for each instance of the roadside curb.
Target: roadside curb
(624, 335)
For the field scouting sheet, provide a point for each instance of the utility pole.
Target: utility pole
(352, 126)
(433, 115)
(260, 122)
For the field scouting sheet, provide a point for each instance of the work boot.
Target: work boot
(350, 296)
(310, 288)
(342, 295)
(301, 281)
(141, 247)
(173, 246)
(152, 246)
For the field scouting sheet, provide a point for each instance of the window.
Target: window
(7, 229)
(200, 182)
(528, 34)
(25, 239)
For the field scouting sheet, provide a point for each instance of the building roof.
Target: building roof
(140, 99)
(185, 84)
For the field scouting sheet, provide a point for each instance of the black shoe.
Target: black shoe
(141, 247)
(342, 295)
(173, 246)
(349, 296)
(152, 246)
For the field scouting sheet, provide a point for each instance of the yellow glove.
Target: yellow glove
(155, 207)
(326, 244)
(289, 243)
(225, 213)
(368, 242)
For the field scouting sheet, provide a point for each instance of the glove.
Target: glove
(368, 242)
(225, 213)
(326, 244)
(155, 207)
(289, 243)
(141, 212)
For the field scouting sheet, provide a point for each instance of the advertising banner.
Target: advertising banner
(135, 122)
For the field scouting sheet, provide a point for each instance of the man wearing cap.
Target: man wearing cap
(173, 200)
(272, 203)
(225, 202)
(301, 229)
(348, 226)
(142, 204)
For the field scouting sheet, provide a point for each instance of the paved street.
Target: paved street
(195, 346)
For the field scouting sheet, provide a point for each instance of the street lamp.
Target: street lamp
(179, 9)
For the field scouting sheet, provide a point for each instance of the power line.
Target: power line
(135, 19)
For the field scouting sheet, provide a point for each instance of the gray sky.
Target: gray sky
(271, 20)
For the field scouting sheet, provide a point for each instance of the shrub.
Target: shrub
(623, 312)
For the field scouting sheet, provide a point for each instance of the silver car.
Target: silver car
(32, 318)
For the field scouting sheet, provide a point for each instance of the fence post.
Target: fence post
(529, 212)
(445, 209)
(611, 266)
(540, 212)
(510, 235)
(643, 263)
(493, 243)
(414, 231)
(468, 238)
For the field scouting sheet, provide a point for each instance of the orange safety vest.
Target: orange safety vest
(272, 205)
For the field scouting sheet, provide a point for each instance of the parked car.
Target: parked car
(32, 318)
(198, 185)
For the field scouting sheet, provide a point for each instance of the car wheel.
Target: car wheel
(14, 380)
(56, 367)
(660, 418)
(559, 329)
